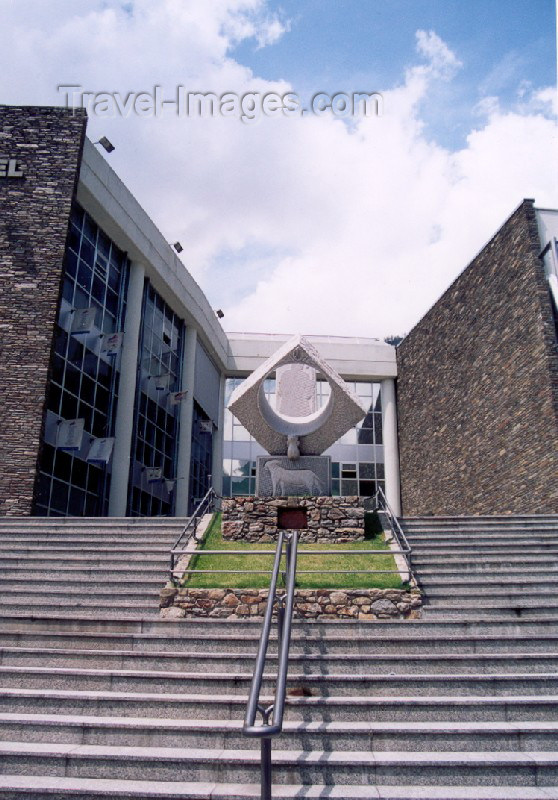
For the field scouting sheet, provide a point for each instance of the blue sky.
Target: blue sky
(346, 45)
(313, 225)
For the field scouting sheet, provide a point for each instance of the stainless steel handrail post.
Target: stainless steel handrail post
(280, 624)
(253, 699)
(209, 501)
(381, 503)
(285, 605)
(265, 758)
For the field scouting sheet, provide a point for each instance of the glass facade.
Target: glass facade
(155, 439)
(201, 459)
(84, 387)
(357, 458)
(84, 381)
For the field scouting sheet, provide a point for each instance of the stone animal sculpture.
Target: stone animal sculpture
(293, 481)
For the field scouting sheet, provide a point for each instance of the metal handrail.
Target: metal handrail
(285, 604)
(191, 527)
(381, 504)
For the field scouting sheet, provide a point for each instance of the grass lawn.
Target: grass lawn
(214, 541)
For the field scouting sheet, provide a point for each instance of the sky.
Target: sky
(302, 223)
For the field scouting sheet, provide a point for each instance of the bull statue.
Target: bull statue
(293, 481)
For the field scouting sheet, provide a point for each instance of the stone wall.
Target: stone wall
(478, 387)
(316, 604)
(330, 519)
(34, 213)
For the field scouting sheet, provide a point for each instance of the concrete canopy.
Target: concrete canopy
(317, 431)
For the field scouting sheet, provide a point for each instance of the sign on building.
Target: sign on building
(10, 168)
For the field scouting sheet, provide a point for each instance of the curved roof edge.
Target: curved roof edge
(103, 194)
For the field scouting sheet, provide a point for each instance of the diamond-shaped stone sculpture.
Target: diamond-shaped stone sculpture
(316, 431)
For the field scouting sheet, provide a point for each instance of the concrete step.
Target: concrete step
(482, 597)
(474, 528)
(107, 572)
(61, 586)
(493, 572)
(512, 519)
(313, 631)
(227, 734)
(102, 522)
(489, 537)
(109, 561)
(189, 705)
(480, 550)
(114, 551)
(470, 610)
(15, 787)
(236, 681)
(483, 562)
(307, 768)
(58, 590)
(501, 583)
(299, 663)
(394, 644)
(390, 644)
(70, 540)
(84, 606)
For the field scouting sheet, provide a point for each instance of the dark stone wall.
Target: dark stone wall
(478, 387)
(34, 212)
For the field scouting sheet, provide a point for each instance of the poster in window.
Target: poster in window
(176, 398)
(162, 382)
(83, 319)
(100, 451)
(111, 343)
(153, 474)
(69, 434)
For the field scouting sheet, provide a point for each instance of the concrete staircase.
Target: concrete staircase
(98, 702)
(85, 566)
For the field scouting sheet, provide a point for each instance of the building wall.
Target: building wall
(478, 387)
(34, 212)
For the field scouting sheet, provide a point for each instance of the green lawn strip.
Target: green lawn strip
(214, 541)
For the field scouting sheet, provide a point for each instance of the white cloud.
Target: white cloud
(442, 61)
(288, 224)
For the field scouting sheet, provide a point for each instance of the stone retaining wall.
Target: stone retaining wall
(363, 604)
(330, 519)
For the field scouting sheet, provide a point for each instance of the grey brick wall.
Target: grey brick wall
(34, 215)
(478, 387)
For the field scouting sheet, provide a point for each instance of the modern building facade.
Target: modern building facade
(116, 371)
